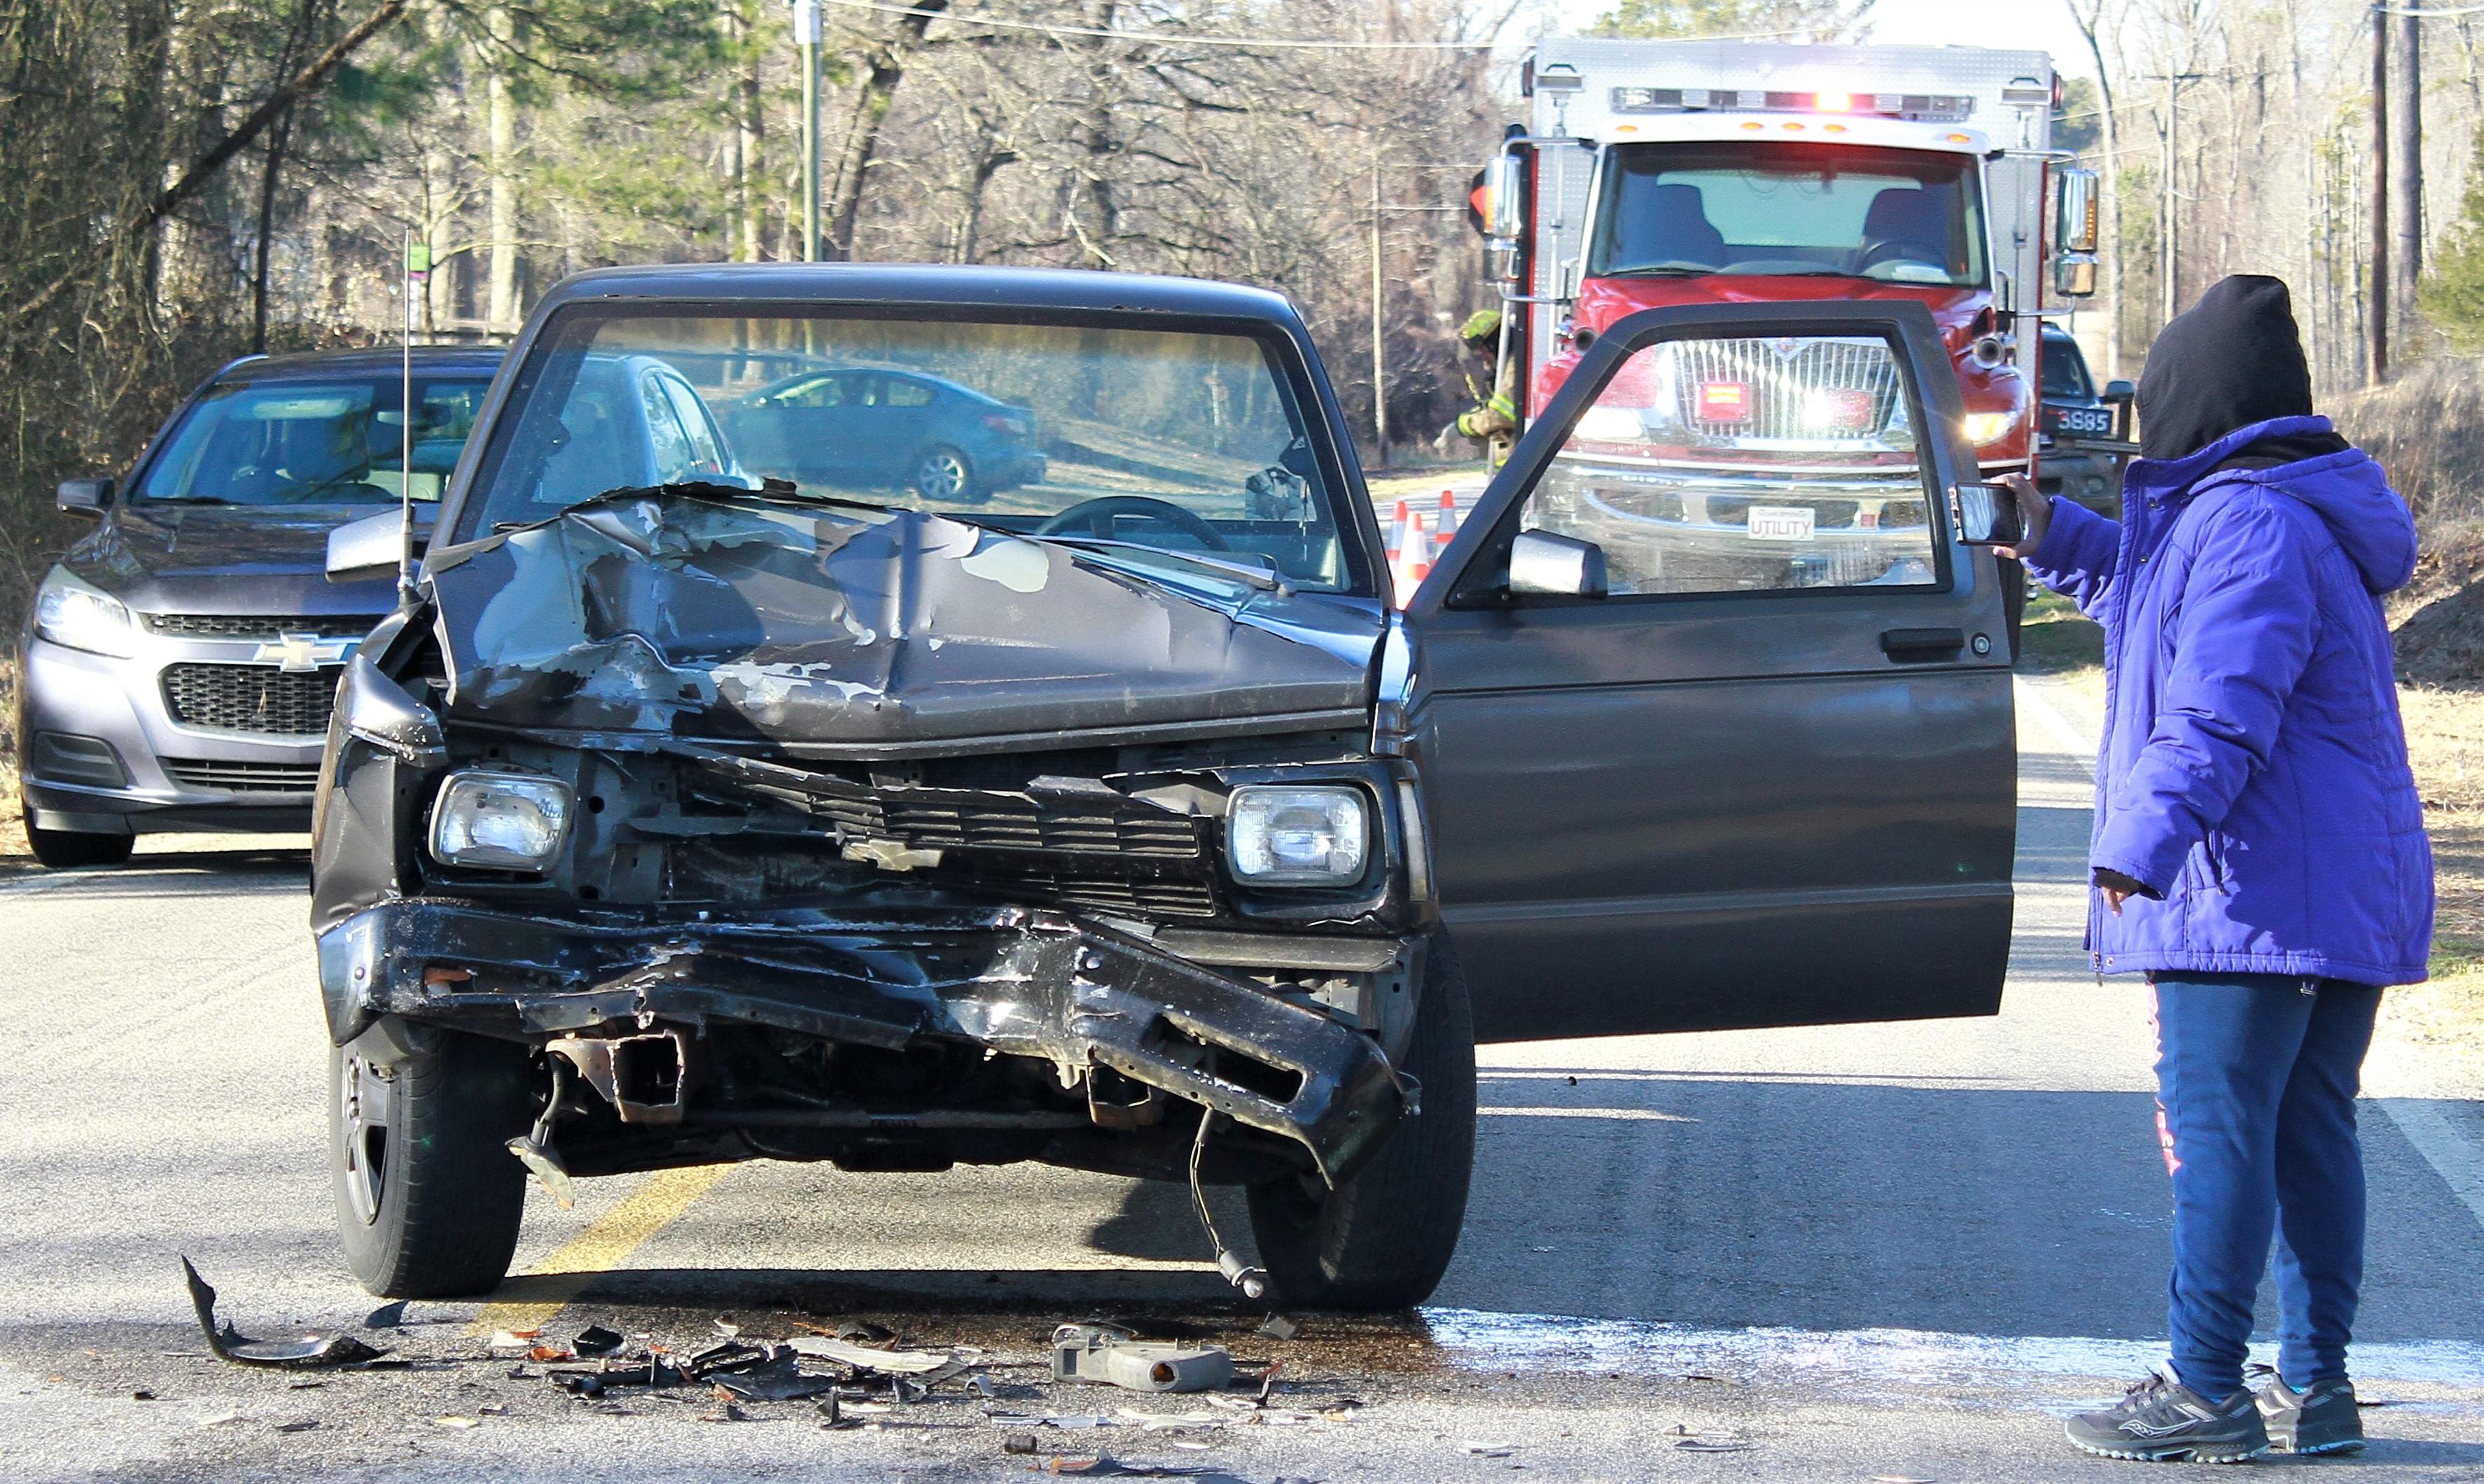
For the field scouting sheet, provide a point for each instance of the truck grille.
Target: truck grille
(244, 777)
(974, 819)
(1806, 392)
(257, 698)
(260, 626)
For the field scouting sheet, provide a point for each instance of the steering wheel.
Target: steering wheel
(1900, 249)
(1096, 516)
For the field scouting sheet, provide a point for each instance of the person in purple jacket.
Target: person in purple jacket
(2258, 853)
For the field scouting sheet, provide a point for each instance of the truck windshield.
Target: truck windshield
(1191, 444)
(1769, 208)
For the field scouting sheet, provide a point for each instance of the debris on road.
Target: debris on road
(1094, 1351)
(596, 1340)
(1278, 1327)
(1494, 1449)
(887, 1363)
(461, 1424)
(388, 1316)
(778, 1379)
(1722, 1441)
(231, 1344)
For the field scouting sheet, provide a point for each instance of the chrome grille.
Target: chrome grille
(257, 698)
(243, 777)
(261, 626)
(1785, 382)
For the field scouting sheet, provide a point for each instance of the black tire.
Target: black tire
(67, 850)
(1382, 1240)
(942, 472)
(441, 1219)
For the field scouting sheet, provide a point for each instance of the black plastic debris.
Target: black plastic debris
(596, 1340)
(726, 1356)
(777, 1379)
(578, 1383)
(388, 1316)
(1019, 1442)
(308, 1353)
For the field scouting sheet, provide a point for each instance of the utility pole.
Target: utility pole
(2409, 160)
(2168, 236)
(1379, 339)
(806, 37)
(2376, 315)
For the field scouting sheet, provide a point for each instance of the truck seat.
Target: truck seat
(1657, 224)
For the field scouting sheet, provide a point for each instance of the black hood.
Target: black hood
(2230, 361)
(874, 631)
(161, 558)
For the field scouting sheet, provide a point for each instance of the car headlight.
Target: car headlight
(1286, 836)
(81, 615)
(509, 822)
(1610, 425)
(1989, 426)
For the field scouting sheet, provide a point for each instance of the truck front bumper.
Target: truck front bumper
(1024, 982)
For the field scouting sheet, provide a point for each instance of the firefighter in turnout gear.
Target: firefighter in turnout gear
(1493, 421)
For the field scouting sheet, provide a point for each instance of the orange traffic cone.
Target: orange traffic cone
(1448, 517)
(1397, 533)
(1414, 560)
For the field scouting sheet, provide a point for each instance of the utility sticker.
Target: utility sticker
(1780, 523)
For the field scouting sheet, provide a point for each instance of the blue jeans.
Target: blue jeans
(2257, 1076)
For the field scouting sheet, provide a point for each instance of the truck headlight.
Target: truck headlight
(508, 821)
(1988, 427)
(81, 615)
(1286, 836)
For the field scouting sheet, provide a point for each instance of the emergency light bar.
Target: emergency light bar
(1917, 107)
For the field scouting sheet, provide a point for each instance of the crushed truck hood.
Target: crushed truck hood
(855, 628)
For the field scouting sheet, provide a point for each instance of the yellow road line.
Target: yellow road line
(606, 1244)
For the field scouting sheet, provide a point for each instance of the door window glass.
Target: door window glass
(904, 393)
(1719, 466)
(707, 451)
(667, 445)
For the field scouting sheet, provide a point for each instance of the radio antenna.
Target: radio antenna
(417, 273)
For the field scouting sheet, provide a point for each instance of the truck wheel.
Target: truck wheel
(428, 1197)
(1383, 1239)
(66, 849)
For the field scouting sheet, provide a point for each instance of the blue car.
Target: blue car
(863, 425)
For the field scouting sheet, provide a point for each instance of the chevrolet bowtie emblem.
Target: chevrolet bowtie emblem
(293, 653)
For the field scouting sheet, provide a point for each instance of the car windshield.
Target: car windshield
(1177, 441)
(1903, 216)
(314, 442)
(2064, 372)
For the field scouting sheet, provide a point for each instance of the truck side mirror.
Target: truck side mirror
(85, 497)
(1544, 565)
(371, 547)
(2118, 393)
(1504, 186)
(2074, 221)
(2075, 276)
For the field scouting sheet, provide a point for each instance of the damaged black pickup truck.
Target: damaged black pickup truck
(1105, 811)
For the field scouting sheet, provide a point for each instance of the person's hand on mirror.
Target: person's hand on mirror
(2034, 512)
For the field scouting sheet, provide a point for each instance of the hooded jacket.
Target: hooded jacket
(2254, 774)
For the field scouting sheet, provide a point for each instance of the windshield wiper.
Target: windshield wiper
(1663, 270)
(1253, 576)
(692, 488)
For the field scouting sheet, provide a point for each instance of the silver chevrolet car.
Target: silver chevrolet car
(178, 666)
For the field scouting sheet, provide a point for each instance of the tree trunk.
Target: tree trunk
(277, 138)
(749, 155)
(843, 203)
(500, 160)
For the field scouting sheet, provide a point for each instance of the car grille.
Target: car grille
(244, 777)
(260, 626)
(1786, 380)
(255, 698)
(1145, 899)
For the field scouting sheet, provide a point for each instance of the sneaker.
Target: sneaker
(2323, 1420)
(2159, 1421)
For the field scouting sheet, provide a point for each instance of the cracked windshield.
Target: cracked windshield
(1156, 442)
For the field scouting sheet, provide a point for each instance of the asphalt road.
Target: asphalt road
(1875, 1251)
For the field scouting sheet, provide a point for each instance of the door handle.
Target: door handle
(1918, 645)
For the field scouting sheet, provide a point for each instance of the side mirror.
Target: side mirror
(371, 547)
(2074, 221)
(1986, 515)
(85, 497)
(2075, 276)
(1544, 565)
(2120, 392)
(1505, 188)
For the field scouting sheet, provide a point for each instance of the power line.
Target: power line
(1262, 43)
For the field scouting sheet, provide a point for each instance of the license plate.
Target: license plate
(2080, 422)
(1780, 523)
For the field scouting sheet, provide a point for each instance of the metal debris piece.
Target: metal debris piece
(596, 1340)
(887, 1363)
(832, 1415)
(309, 1352)
(1085, 1352)
(578, 1383)
(1278, 1327)
(1268, 1381)
(1490, 1449)
(547, 1170)
(729, 1355)
(1723, 1441)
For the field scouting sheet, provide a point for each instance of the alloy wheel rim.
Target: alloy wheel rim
(943, 477)
(366, 1098)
